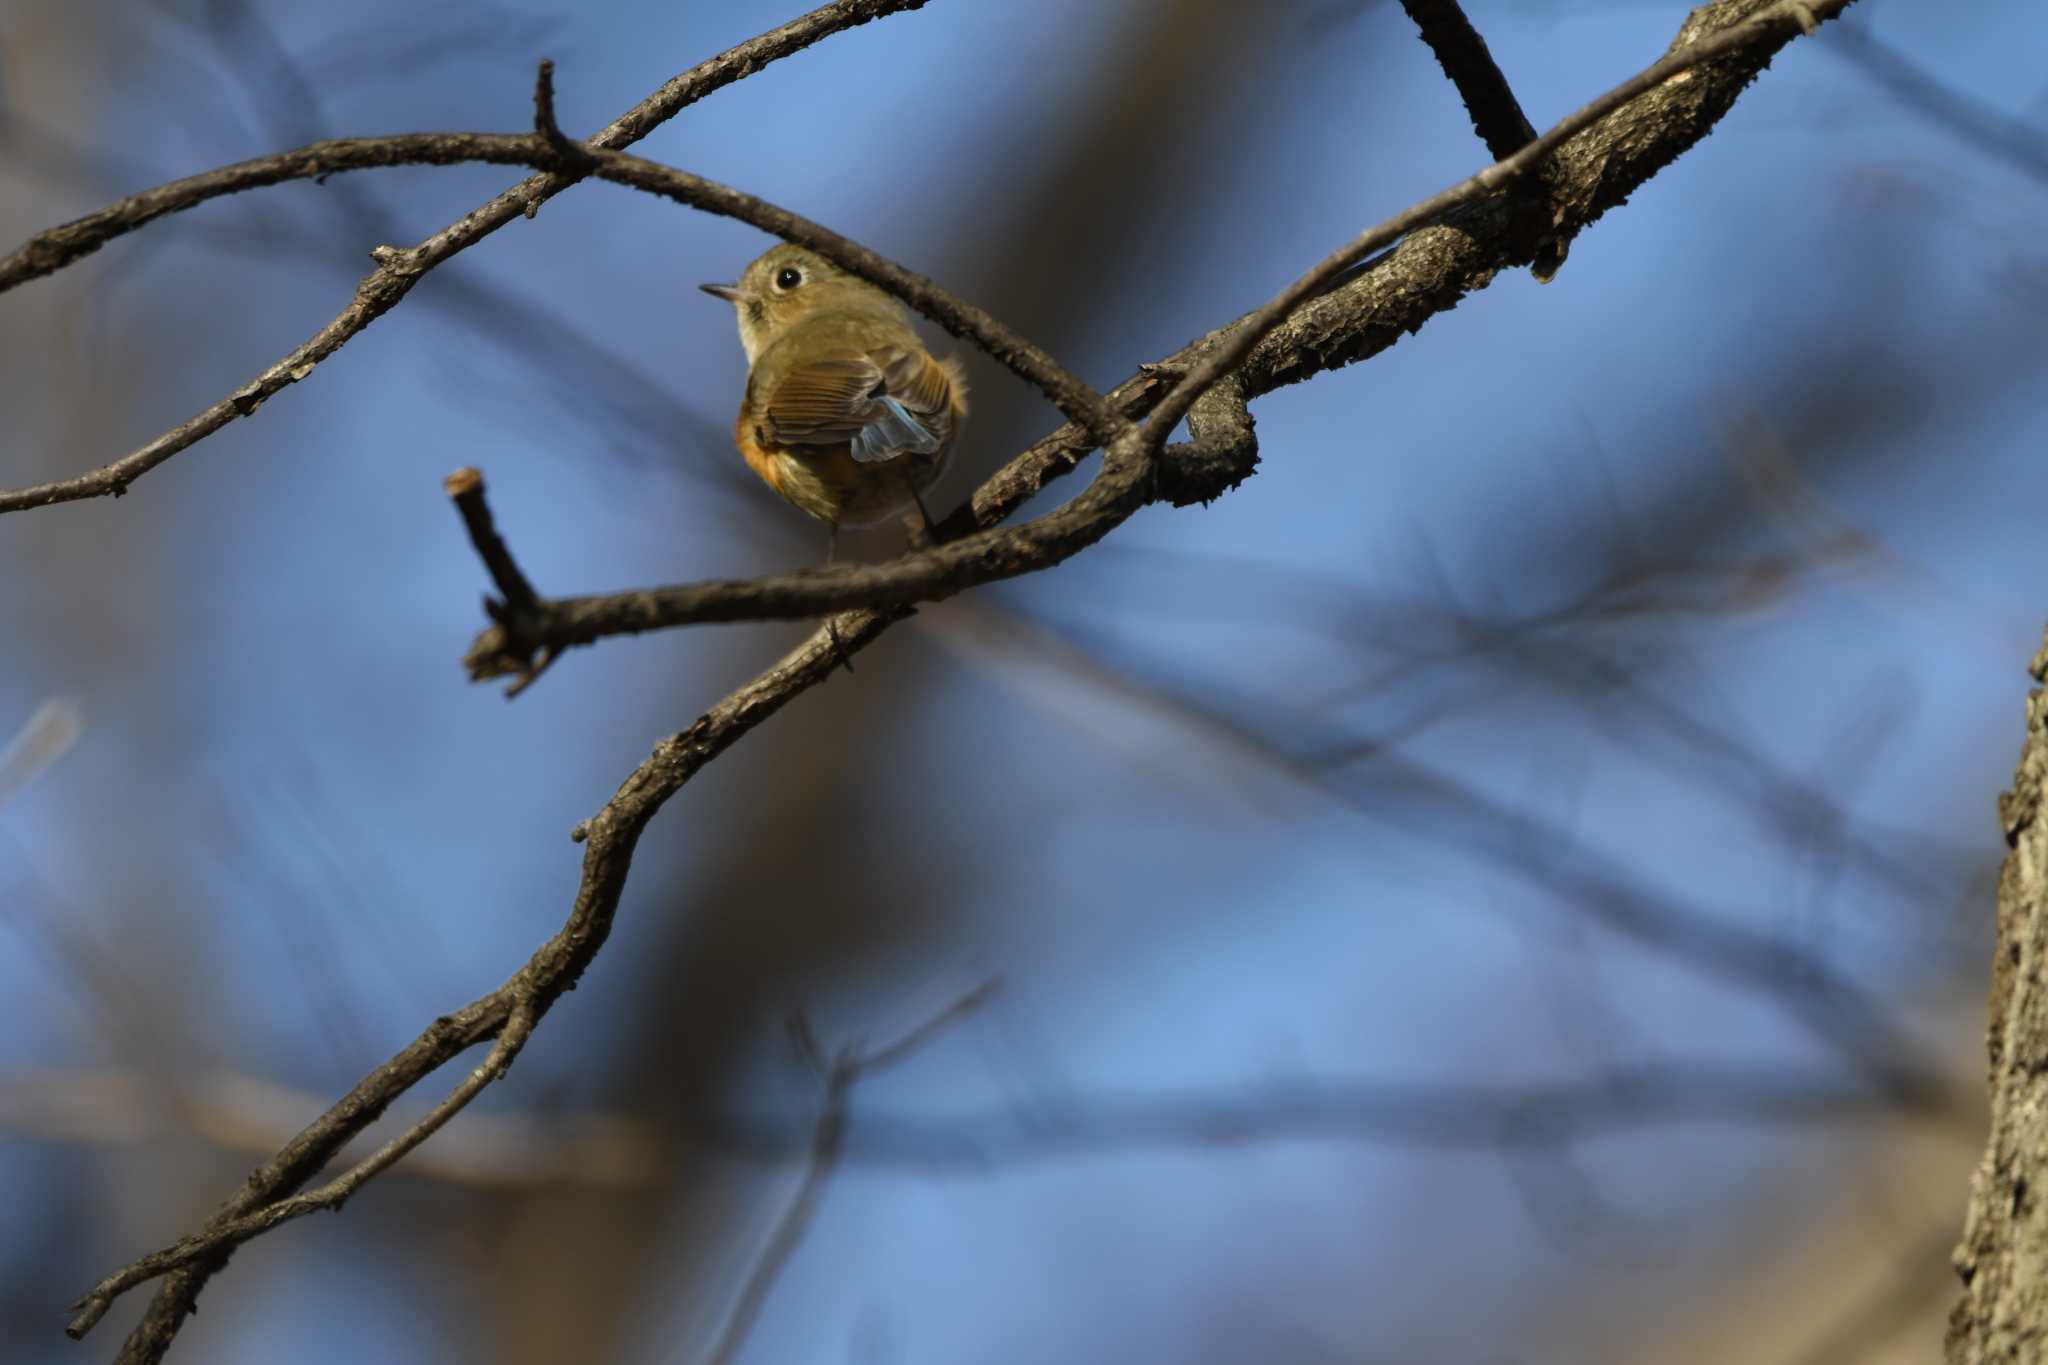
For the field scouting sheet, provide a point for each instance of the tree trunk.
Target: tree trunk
(2003, 1258)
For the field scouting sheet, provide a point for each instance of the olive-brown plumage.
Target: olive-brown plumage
(845, 414)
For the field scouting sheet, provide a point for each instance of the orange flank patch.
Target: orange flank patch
(817, 481)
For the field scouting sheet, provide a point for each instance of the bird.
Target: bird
(845, 414)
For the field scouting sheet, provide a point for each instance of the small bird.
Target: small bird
(846, 414)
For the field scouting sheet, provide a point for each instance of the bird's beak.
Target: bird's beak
(731, 293)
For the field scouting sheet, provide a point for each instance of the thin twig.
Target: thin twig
(609, 839)
(573, 154)
(466, 487)
(516, 601)
(828, 1138)
(882, 1058)
(827, 1146)
(398, 270)
(1075, 399)
(91, 1308)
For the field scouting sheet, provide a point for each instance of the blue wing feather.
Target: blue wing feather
(892, 432)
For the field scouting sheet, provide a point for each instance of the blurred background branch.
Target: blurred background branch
(839, 1073)
(42, 739)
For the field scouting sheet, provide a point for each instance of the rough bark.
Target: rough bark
(2003, 1257)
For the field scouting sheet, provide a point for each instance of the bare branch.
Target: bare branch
(397, 270)
(1496, 114)
(572, 153)
(466, 487)
(1756, 38)
(218, 1238)
(1597, 162)
(609, 839)
(1074, 398)
(516, 601)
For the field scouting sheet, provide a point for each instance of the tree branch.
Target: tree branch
(1075, 399)
(1496, 114)
(1604, 149)
(1756, 38)
(516, 600)
(397, 270)
(609, 839)
(517, 1029)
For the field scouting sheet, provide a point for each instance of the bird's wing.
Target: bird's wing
(883, 402)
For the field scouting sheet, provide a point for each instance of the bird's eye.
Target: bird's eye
(789, 277)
